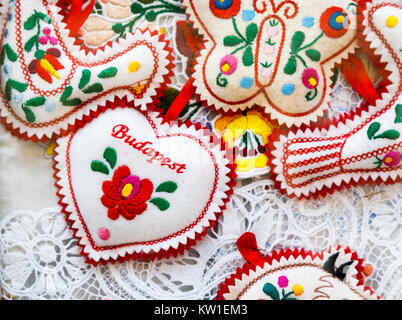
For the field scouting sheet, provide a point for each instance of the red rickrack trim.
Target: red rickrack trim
(152, 255)
(275, 255)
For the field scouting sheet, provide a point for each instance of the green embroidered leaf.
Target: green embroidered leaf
(290, 67)
(96, 87)
(168, 186)
(30, 43)
(313, 54)
(251, 32)
(11, 55)
(66, 93)
(162, 204)
(19, 86)
(118, 28)
(137, 8)
(12, 84)
(108, 73)
(30, 23)
(270, 290)
(248, 58)
(99, 166)
(110, 156)
(71, 102)
(2, 56)
(39, 54)
(36, 102)
(373, 129)
(389, 134)
(8, 90)
(29, 114)
(85, 77)
(44, 17)
(398, 111)
(297, 40)
(231, 41)
(150, 15)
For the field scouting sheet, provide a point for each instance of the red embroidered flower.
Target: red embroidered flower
(126, 194)
(224, 9)
(46, 64)
(334, 22)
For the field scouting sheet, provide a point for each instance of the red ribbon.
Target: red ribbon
(354, 71)
(247, 245)
(180, 102)
(77, 16)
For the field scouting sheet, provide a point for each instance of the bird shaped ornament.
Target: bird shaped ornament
(298, 274)
(49, 84)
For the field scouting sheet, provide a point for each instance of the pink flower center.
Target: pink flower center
(129, 186)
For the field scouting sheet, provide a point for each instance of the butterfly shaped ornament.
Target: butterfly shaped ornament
(275, 54)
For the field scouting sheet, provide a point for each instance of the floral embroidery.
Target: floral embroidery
(375, 127)
(224, 9)
(391, 159)
(296, 47)
(310, 80)
(283, 282)
(247, 134)
(126, 194)
(228, 63)
(334, 22)
(47, 37)
(46, 64)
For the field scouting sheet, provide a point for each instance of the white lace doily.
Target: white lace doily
(39, 258)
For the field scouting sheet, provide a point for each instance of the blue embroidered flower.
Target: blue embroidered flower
(246, 83)
(288, 89)
(8, 69)
(18, 97)
(50, 107)
(308, 22)
(248, 15)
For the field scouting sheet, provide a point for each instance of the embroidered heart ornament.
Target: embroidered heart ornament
(133, 187)
(275, 54)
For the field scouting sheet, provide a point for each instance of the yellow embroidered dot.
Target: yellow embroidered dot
(391, 21)
(133, 66)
